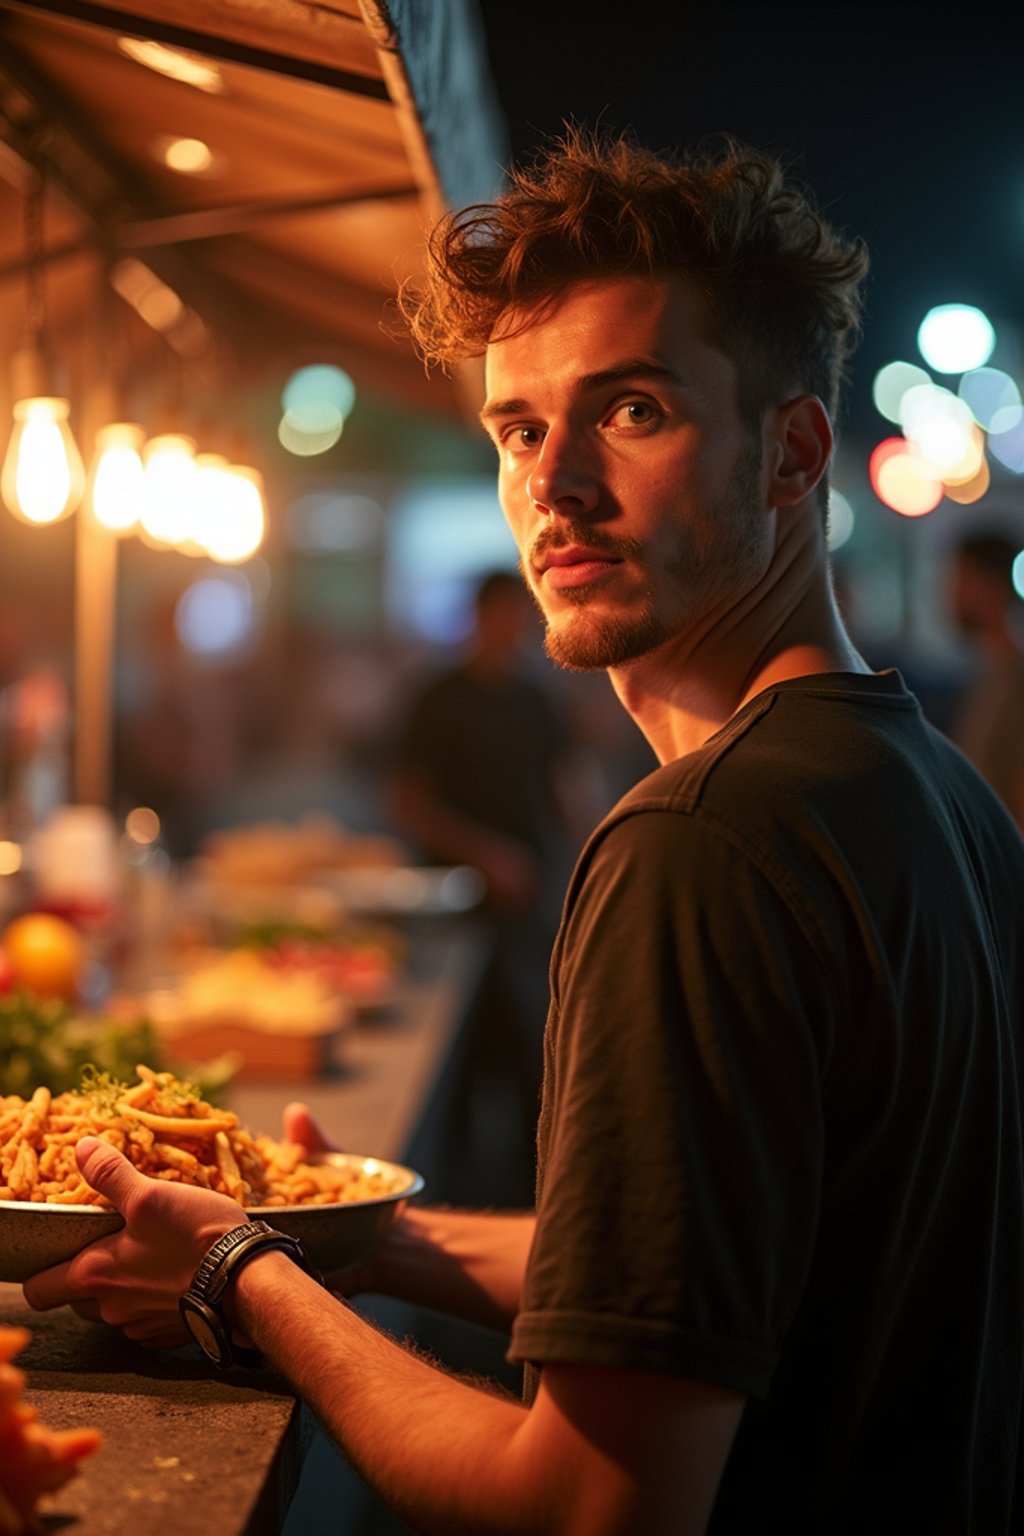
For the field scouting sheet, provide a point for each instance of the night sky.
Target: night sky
(907, 120)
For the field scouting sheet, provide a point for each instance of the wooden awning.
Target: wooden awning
(337, 131)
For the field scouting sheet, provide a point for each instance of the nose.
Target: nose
(563, 478)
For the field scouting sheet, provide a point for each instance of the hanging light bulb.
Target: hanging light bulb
(167, 511)
(235, 524)
(210, 488)
(118, 476)
(43, 476)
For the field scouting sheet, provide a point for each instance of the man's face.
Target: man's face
(632, 486)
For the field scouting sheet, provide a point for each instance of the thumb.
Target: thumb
(300, 1127)
(107, 1171)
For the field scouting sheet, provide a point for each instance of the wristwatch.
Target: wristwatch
(201, 1306)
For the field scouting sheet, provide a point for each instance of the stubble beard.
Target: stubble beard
(595, 642)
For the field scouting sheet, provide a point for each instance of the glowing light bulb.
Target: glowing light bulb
(43, 476)
(189, 157)
(233, 528)
(168, 510)
(118, 476)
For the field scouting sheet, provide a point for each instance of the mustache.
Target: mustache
(569, 531)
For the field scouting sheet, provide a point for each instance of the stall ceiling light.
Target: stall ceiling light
(189, 157)
(176, 63)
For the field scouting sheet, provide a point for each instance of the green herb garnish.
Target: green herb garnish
(102, 1087)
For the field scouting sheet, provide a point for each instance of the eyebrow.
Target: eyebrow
(638, 368)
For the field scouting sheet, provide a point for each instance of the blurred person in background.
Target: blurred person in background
(489, 775)
(988, 723)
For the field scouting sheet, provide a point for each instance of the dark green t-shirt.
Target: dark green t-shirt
(780, 1142)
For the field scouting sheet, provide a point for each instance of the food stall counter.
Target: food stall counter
(187, 1450)
(183, 1450)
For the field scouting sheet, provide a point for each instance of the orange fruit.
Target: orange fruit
(46, 954)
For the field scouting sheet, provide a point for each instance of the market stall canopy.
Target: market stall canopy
(335, 132)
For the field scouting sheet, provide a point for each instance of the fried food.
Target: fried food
(34, 1460)
(167, 1131)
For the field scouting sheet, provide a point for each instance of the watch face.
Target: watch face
(206, 1328)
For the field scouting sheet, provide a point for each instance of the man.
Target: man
(774, 1274)
(484, 762)
(988, 725)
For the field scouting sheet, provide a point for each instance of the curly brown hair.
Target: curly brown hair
(781, 285)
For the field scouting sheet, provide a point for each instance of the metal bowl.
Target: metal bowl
(337, 1236)
(35, 1237)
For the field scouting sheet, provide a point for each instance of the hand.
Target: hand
(299, 1127)
(133, 1278)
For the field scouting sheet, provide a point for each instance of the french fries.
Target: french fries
(167, 1132)
(34, 1460)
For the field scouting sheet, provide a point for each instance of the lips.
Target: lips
(574, 565)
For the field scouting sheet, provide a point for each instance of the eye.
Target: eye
(634, 413)
(522, 438)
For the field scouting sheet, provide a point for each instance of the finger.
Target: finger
(301, 1128)
(157, 1335)
(89, 1310)
(108, 1172)
(50, 1288)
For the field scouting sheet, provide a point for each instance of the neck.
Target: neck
(786, 626)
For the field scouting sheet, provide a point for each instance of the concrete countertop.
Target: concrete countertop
(184, 1451)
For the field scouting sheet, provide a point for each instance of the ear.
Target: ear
(799, 449)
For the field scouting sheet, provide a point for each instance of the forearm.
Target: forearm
(441, 1453)
(467, 1264)
(599, 1453)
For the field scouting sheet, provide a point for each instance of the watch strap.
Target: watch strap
(221, 1265)
(202, 1282)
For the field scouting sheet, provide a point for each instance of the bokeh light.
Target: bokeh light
(891, 384)
(215, 615)
(902, 479)
(966, 492)
(118, 476)
(954, 338)
(1018, 574)
(1007, 444)
(176, 63)
(316, 402)
(941, 429)
(303, 443)
(930, 402)
(142, 825)
(840, 519)
(168, 490)
(987, 392)
(321, 382)
(189, 157)
(11, 857)
(236, 528)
